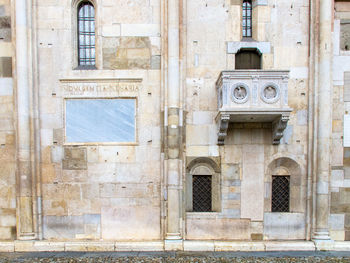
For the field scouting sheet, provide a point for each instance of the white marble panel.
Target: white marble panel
(100, 120)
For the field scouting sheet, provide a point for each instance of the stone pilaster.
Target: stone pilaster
(324, 109)
(173, 125)
(25, 222)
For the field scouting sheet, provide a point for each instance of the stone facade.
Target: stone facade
(126, 175)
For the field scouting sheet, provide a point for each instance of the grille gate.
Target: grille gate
(201, 188)
(280, 194)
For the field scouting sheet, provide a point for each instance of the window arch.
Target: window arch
(86, 34)
(247, 18)
(285, 175)
(202, 185)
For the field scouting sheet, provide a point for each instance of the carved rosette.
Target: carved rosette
(223, 126)
(278, 127)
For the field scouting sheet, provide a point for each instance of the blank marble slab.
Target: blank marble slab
(100, 120)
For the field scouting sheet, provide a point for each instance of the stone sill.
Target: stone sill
(187, 245)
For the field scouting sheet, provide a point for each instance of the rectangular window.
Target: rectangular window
(201, 189)
(100, 120)
(280, 193)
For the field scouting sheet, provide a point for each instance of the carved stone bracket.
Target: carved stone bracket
(223, 125)
(278, 126)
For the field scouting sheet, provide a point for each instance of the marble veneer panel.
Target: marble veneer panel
(100, 120)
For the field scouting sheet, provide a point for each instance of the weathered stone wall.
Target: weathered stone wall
(7, 133)
(248, 148)
(101, 191)
(339, 211)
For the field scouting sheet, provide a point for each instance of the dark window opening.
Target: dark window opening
(201, 189)
(247, 18)
(280, 193)
(248, 59)
(86, 35)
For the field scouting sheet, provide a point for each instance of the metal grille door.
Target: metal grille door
(201, 189)
(280, 194)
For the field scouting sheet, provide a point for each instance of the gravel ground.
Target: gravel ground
(181, 257)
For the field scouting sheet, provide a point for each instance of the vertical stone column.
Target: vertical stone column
(25, 224)
(173, 125)
(324, 108)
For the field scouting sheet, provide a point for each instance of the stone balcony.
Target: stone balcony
(253, 96)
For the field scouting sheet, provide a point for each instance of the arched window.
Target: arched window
(202, 186)
(247, 18)
(86, 35)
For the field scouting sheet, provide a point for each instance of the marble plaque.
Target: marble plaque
(100, 120)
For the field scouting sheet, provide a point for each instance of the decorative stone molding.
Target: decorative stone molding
(278, 127)
(234, 47)
(223, 126)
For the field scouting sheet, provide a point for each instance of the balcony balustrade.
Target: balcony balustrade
(253, 96)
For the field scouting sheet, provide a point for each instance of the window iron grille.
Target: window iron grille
(280, 193)
(86, 34)
(201, 189)
(247, 18)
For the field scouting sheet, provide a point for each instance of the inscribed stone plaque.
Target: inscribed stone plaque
(100, 120)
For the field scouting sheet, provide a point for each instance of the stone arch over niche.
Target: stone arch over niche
(203, 166)
(287, 166)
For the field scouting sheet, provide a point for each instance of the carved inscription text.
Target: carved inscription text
(99, 89)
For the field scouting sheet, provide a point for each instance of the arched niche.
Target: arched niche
(203, 166)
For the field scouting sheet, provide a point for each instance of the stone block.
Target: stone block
(140, 30)
(337, 178)
(6, 67)
(290, 246)
(46, 246)
(284, 226)
(336, 221)
(7, 217)
(139, 246)
(217, 228)
(5, 22)
(89, 246)
(7, 247)
(56, 154)
(337, 235)
(238, 246)
(155, 62)
(256, 236)
(111, 31)
(24, 246)
(252, 191)
(6, 88)
(74, 158)
(198, 245)
(62, 227)
(130, 223)
(7, 233)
